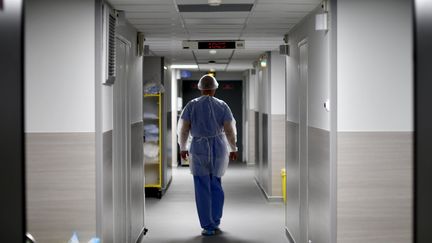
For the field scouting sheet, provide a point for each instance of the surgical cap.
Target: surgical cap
(207, 82)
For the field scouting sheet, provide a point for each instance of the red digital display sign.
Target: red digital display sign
(216, 45)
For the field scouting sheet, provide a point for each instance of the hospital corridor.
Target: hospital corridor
(215, 121)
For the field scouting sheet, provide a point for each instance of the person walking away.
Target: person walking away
(212, 126)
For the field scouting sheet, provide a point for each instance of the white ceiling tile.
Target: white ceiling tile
(256, 20)
(155, 21)
(215, 21)
(164, 32)
(284, 7)
(214, 26)
(152, 15)
(146, 7)
(217, 31)
(278, 14)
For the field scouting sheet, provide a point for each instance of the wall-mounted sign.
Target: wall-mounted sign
(217, 44)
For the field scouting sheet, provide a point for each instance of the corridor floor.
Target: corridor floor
(248, 217)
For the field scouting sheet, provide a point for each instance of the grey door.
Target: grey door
(121, 146)
(303, 141)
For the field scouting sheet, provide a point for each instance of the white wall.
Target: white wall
(59, 66)
(175, 74)
(277, 74)
(375, 85)
(252, 90)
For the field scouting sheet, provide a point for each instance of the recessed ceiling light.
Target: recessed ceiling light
(214, 2)
(212, 51)
(186, 66)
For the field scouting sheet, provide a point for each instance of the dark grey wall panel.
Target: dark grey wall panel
(61, 185)
(319, 185)
(252, 138)
(12, 181)
(375, 192)
(257, 139)
(293, 180)
(266, 170)
(423, 120)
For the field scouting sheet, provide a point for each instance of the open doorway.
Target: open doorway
(229, 91)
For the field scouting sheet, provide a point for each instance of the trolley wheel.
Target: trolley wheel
(159, 194)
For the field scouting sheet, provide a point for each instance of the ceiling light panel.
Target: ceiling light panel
(220, 8)
(215, 21)
(209, 66)
(223, 1)
(215, 15)
(214, 26)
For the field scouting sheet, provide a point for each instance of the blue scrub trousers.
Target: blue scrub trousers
(209, 198)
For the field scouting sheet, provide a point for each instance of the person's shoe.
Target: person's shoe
(218, 230)
(208, 232)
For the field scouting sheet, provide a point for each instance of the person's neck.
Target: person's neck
(207, 93)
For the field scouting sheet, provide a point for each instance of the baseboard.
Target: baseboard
(266, 196)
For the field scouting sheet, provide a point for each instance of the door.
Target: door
(303, 141)
(121, 146)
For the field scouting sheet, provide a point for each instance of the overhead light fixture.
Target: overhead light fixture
(214, 2)
(185, 66)
(165, 67)
(263, 62)
(212, 51)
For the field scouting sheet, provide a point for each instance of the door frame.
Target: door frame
(303, 145)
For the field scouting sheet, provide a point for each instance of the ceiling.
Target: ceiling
(262, 28)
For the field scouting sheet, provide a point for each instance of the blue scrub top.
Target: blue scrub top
(208, 150)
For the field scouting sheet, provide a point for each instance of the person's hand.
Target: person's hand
(184, 154)
(233, 156)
